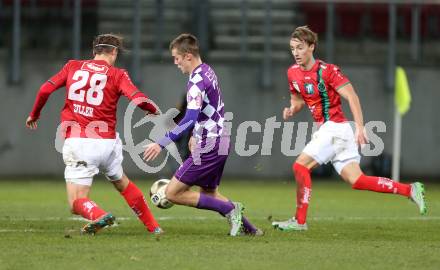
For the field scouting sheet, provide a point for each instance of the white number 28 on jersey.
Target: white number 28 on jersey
(94, 94)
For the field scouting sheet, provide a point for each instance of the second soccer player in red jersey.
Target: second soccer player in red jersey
(320, 86)
(88, 121)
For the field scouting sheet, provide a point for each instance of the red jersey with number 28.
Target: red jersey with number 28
(318, 88)
(93, 90)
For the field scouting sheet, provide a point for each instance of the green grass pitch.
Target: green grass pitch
(347, 230)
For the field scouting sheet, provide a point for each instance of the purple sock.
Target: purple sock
(211, 203)
(248, 226)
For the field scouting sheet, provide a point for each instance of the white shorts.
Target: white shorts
(333, 142)
(85, 158)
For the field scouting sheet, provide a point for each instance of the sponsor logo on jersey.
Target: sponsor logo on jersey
(309, 88)
(92, 67)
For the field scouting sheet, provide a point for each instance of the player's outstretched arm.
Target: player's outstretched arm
(129, 90)
(349, 94)
(152, 150)
(43, 95)
(296, 105)
(143, 102)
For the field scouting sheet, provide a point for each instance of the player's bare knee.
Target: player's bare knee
(301, 161)
(211, 192)
(351, 173)
(174, 198)
(120, 185)
(350, 179)
(171, 195)
(306, 161)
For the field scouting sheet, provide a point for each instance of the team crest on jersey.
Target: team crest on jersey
(309, 88)
(92, 67)
(295, 85)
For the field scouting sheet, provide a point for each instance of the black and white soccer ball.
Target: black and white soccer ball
(157, 194)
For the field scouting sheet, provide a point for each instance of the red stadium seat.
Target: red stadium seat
(350, 18)
(315, 16)
(405, 11)
(379, 20)
(430, 15)
(11, 2)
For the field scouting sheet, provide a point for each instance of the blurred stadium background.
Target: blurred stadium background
(247, 42)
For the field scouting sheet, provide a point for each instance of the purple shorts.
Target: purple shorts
(205, 171)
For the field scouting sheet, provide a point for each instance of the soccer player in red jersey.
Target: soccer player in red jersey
(88, 122)
(320, 86)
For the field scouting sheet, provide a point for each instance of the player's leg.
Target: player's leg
(134, 197)
(346, 163)
(80, 204)
(352, 174)
(77, 195)
(247, 225)
(179, 193)
(74, 192)
(319, 150)
(136, 200)
(206, 172)
(79, 156)
(301, 169)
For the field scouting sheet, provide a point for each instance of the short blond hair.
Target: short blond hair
(186, 43)
(304, 33)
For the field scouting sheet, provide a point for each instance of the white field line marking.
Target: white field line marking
(200, 218)
(25, 230)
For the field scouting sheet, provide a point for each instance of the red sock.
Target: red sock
(303, 191)
(87, 209)
(135, 199)
(381, 184)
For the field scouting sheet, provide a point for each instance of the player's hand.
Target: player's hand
(288, 112)
(31, 123)
(151, 152)
(361, 135)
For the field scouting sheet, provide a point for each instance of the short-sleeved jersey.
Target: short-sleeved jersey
(323, 102)
(204, 93)
(93, 88)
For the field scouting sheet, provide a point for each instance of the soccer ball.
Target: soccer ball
(157, 194)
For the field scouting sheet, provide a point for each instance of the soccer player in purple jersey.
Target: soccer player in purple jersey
(209, 143)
